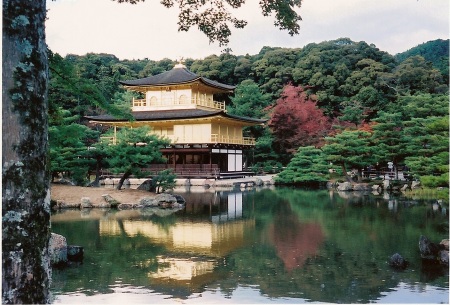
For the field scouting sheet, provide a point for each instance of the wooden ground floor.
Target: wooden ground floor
(204, 161)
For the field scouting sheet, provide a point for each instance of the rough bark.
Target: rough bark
(96, 182)
(125, 176)
(26, 271)
(344, 171)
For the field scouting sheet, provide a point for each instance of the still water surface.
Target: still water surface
(256, 246)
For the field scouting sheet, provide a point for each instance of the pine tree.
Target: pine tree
(350, 149)
(308, 166)
(388, 140)
(135, 149)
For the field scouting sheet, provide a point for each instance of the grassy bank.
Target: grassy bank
(429, 193)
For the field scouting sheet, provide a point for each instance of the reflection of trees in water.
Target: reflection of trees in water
(164, 223)
(306, 244)
(355, 198)
(341, 246)
(294, 241)
(393, 200)
(106, 259)
(311, 267)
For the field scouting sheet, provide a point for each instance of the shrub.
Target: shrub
(164, 180)
(435, 181)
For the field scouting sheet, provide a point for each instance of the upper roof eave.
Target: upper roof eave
(176, 76)
(164, 115)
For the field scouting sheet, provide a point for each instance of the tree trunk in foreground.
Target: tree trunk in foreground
(26, 271)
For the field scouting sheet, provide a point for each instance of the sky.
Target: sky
(149, 30)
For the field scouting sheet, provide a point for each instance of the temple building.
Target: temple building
(205, 141)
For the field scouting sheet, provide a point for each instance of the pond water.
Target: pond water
(278, 245)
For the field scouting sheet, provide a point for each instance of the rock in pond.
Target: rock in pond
(61, 254)
(443, 257)
(398, 262)
(168, 201)
(415, 185)
(57, 249)
(75, 253)
(86, 203)
(428, 249)
(146, 185)
(113, 202)
(125, 206)
(259, 182)
(346, 186)
(164, 200)
(148, 202)
(432, 251)
(103, 205)
(60, 204)
(165, 197)
(180, 199)
(362, 187)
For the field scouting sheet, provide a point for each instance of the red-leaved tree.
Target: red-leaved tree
(297, 121)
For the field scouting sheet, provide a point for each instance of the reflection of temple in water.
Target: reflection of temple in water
(189, 273)
(190, 237)
(219, 206)
(211, 226)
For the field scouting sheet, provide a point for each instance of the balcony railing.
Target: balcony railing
(170, 102)
(217, 138)
(214, 139)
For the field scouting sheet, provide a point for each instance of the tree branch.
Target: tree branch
(214, 19)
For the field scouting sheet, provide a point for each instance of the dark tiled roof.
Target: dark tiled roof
(172, 115)
(173, 77)
(247, 119)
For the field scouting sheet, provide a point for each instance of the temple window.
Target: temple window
(182, 100)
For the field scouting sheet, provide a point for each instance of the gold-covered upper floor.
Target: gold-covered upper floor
(173, 103)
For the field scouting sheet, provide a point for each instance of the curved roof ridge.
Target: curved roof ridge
(177, 75)
(174, 76)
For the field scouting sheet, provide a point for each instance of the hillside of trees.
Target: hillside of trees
(435, 51)
(336, 105)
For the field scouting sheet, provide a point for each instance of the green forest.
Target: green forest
(331, 108)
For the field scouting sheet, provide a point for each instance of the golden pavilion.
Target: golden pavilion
(205, 141)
